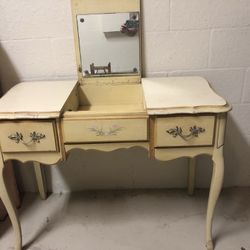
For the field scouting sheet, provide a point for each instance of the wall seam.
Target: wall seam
(213, 28)
(210, 49)
(170, 11)
(244, 86)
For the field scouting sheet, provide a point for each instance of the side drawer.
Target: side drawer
(104, 130)
(184, 131)
(28, 136)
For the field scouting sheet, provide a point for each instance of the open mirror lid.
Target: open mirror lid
(107, 40)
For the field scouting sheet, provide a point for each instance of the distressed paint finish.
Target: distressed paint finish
(165, 96)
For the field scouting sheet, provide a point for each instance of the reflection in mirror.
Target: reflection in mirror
(109, 43)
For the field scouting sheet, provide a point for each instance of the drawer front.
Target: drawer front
(184, 131)
(28, 136)
(104, 130)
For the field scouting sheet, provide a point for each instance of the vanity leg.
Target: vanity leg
(215, 188)
(40, 179)
(9, 205)
(191, 176)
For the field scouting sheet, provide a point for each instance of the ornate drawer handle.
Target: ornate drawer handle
(194, 132)
(113, 130)
(35, 137)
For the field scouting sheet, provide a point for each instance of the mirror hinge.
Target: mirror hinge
(80, 69)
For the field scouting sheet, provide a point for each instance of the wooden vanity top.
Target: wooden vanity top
(40, 100)
(173, 95)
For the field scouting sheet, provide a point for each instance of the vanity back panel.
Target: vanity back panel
(111, 95)
(100, 6)
(82, 13)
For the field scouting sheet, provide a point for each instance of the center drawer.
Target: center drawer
(28, 136)
(184, 131)
(104, 130)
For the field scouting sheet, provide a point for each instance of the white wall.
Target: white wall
(210, 38)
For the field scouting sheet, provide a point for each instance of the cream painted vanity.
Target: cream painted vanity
(110, 107)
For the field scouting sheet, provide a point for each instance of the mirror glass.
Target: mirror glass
(109, 44)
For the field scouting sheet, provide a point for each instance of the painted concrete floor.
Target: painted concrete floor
(131, 220)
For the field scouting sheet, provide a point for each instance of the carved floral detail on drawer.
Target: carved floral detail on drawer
(112, 131)
(104, 129)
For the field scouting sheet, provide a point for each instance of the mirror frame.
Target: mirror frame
(83, 7)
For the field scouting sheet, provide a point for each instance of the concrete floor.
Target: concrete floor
(131, 220)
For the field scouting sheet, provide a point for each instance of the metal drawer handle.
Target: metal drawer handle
(112, 131)
(194, 132)
(35, 137)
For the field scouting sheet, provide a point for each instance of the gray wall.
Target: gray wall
(210, 38)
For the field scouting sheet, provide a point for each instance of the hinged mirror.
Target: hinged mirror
(107, 39)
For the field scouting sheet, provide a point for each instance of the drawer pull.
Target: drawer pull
(112, 131)
(35, 137)
(17, 137)
(194, 132)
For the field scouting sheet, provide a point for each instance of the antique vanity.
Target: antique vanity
(111, 106)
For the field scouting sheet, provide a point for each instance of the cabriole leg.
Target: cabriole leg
(215, 188)
(9, 205)
(191, 176)
(40, 179)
